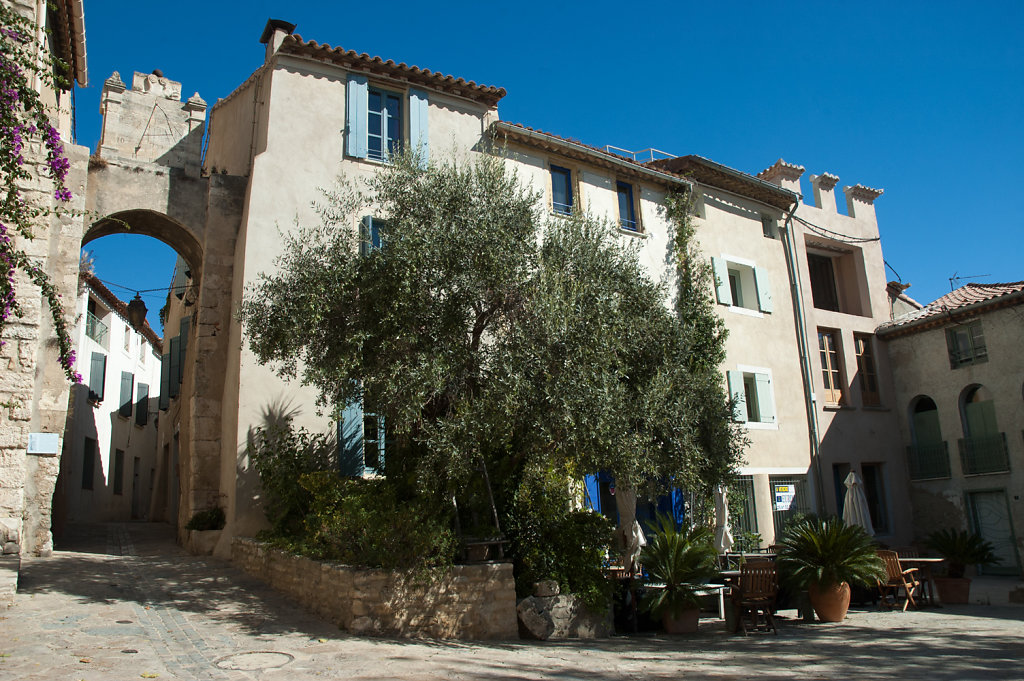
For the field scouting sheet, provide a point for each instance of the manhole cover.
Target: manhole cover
(254, 661)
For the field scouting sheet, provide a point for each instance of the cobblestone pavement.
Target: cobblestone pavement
(127, 603)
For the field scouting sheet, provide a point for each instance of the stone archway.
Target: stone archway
(186, 241)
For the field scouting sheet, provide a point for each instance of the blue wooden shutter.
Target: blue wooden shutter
(737, 393)
(765, 403)
(350, 440)
(678, 506)
(127, 390)
(97, 375)
(183, 329)
(764, 290)
(722, 290)
(357, 91)
(593, 497)
(173, 383)
(165, 381)
(418, 137)
(142, 405)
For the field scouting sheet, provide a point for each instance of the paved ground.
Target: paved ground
(128, 604)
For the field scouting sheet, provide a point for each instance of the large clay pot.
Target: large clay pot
(830, 601)
(953, 590)
(687, 622)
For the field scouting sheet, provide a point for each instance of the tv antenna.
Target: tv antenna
(955, 280)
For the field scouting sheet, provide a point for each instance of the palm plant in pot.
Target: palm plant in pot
(960, 549)
(682, 560)
(825, 556)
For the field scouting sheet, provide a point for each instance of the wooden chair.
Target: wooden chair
(755, 595)
(897, 578)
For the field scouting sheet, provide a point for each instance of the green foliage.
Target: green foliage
(551, 540)
(364, 522)
(826, 552)
(681, 559)
(961, 548)
(210, 519)
(281, 455)
(745, 542)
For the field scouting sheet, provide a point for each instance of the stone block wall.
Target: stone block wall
(467, 602)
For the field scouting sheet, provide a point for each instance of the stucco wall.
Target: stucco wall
(466, 602)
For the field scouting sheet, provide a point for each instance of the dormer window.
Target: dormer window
(376, 121)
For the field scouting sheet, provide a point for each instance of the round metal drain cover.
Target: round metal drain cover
(254, 661)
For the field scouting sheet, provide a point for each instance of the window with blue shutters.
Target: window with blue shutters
(627, 207)
(375, 121)
(369, 234)
(362, 443)
(97, 376)
(561, 190)
(741, 285)
(751, 388)
(383, 124)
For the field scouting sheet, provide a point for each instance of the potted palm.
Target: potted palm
(825, 556)
(682, 560)
(960, 549)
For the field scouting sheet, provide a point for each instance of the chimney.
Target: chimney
(860, 201)
(785, 175)
(824, 196)
(274, 34)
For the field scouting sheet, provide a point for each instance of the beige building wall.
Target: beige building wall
(921, 368)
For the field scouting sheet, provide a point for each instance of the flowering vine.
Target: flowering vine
(24, 119)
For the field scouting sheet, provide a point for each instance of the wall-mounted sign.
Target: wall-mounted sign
(44, 444)
(784, 497)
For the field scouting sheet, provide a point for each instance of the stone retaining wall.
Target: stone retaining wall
(468, 602)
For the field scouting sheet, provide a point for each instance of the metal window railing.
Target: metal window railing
(986, 454)
(928, 462)
(95, 329)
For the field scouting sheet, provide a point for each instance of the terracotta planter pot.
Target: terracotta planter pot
(831, 601)
(687, 622)
(953, 590)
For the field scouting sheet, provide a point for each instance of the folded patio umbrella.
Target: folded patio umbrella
(855, 505)
(723, 533)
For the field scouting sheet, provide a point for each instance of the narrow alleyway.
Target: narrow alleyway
(123, 602)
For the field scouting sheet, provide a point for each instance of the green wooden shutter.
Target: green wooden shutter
(981, 419)
(721, 270)
(736, 392)
(142, 405)
(418, 137)
(765, 403)
(927, 432)
(174, 383)
(97, 375)
(183, 329)
(350, 440)
(127, 390)
(165, 381)
(357, 92)
(764, 290)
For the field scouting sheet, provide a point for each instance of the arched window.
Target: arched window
(928, 456)
(983, 448)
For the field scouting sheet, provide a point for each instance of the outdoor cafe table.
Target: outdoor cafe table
(925, 564)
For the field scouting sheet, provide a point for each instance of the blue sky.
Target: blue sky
(923, 99)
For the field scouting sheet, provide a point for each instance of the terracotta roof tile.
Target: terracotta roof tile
(486, 94)
(973, 296)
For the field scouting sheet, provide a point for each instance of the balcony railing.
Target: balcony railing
(928, 462)
(95, 329)
(986, 454)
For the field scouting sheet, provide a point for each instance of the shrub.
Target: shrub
(961, 548)
(549, 540)
(210, 519)
(826, 552)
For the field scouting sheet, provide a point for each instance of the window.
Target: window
(874, 490)
(118, 471)
(96, 326)
(866, 372)
(142, 405)
(966, 345)
(751, 388)
(97, 376)
(369, 234)
(741, 285)
(361, 441)
(768, 228)
(627, 207)
(88, 463)
(376, 119)
(791, 499)
(831, 372)
(127, 390)
(127, 340)
(561, 190)
(823, 282)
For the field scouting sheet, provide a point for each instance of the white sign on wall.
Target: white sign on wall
(784, 497)
(44, 444)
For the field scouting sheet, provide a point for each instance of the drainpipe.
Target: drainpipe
(792, 266)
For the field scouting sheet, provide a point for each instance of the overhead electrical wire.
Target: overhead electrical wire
(846, 238)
